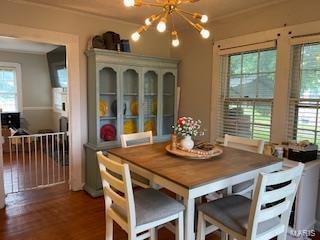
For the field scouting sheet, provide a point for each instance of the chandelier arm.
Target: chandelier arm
(185, 18)
(151, 4)
(183, 11)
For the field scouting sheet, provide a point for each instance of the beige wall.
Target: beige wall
(196, 54)
(35, 75)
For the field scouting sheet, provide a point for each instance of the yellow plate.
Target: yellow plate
(134, 107)
(129, 126)
(150, 126)
(103, 108)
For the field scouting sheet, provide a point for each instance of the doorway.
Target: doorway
(72, 48)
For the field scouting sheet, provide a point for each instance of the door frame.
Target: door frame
(73, 64)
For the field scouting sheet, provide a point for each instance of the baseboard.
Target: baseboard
(93, 193)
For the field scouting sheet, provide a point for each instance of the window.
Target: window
(247, 94)
(10, 87)
(304, 107)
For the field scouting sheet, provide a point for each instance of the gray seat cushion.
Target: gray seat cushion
(151, 205)
(242, 186)
(233, 212)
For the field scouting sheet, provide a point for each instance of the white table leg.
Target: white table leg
(189, 219)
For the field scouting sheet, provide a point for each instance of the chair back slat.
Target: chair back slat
(271, 233)
(118, 192)
(252, 145)
(272, 212)
(272, 200)
(136, 139)
(113, 181)
(278, 194)
(116, 198)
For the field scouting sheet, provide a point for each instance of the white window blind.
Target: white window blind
(9, 101)
(304, 102)
(247, 87)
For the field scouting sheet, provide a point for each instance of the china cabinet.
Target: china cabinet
(127, 93)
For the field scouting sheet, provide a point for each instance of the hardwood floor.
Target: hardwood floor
(57, 213)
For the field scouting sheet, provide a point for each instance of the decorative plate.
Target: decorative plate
(149, 125)
(108, 132)
(129, 126)
(194, 153)
(134, 107)
(103, 108)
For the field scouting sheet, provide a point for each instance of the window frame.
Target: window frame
(252, 102)
(295, 97)
(17, 67)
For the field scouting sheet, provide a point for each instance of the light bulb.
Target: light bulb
(204, 18)
(175, 42)
(205, 33)
(148, 22)
(161, 27)
(129, 3)
(135, 36)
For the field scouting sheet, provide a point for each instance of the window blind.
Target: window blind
(247, 86)
(304, 102)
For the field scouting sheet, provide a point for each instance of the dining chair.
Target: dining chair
(137, 139)
(251, 145)
(264, 217)
(140, 212)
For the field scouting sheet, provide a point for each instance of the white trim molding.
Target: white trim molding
(71, 42)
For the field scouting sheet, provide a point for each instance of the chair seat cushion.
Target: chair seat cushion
(151, 205)
(242, 186)
(233, 212)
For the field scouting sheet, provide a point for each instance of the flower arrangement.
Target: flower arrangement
(186, 126)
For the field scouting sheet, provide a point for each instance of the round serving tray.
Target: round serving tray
(190, 155)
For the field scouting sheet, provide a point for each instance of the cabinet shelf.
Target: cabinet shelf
(131, 117)
(150, 94)
(108, 118)
(167, 94)
(168, 115)
(150, 116)
(130, 94)
(108, 93)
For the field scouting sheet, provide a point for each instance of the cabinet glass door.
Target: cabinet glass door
(150, 102)
(130, 85)
(108, 104)
(168, 109)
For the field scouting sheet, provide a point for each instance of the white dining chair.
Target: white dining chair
(137, 213)
(251, 145)
(264, 217)
(137, 139)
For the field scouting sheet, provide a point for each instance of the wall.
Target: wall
(195, 72)
(37, 105)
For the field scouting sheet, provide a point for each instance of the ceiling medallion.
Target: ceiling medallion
(169, 9)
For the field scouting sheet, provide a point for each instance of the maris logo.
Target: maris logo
(302, 234)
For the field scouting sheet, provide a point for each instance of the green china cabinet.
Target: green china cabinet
(127, 93)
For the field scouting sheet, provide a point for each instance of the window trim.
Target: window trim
(284, 37)
(17, 66)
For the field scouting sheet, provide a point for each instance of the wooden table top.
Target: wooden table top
(192, 173)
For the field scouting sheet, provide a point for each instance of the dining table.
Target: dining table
(193, 178)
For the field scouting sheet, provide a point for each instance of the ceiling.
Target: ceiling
(115, 8)
(19, 45)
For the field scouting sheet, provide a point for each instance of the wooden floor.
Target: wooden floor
(57, 213)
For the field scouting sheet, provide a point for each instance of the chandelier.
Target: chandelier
(168, 9)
